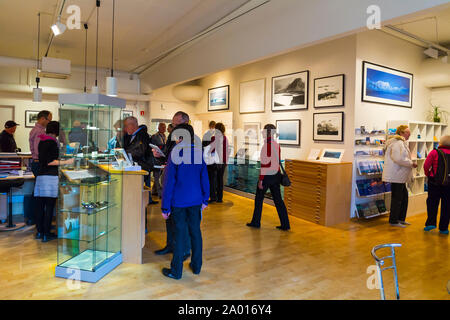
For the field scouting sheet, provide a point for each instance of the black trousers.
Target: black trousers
(186, 220)
(272, 183)
(170, 236)
(438, 194)
(399, 202)
(212, 176)
(220, 171)
(45, 207)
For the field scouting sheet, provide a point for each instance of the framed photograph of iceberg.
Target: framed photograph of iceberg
(218, 98)
(328, 126)
(288, 132)
(386, 85)
(290, 92)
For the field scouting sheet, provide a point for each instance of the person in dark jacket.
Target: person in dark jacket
(7, 142)
(136, 143)
(78, 134)
(185, 196)
(159, 140)
(435, 169)
(46, 187)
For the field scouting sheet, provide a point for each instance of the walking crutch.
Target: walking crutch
(380, 263)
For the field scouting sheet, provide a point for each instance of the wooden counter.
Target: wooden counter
(320, 192)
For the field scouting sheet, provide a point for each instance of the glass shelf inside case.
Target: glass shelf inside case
(90, 197)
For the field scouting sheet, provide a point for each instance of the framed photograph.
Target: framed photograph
(288, 132)
(30, 118)
(252, 96)
(126, 114)
(386, 85)
(252, 131)
(332, 155)
(328, 126)
(329, 91)
(290, 92)
(218, 98)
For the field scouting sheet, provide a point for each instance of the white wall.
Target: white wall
(333, 57)
(274, 28)
(441, 97)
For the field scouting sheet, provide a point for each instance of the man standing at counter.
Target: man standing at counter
(7, 142)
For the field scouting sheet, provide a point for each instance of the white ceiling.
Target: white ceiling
(143, 30)
(434, 27)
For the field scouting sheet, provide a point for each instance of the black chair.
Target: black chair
(6, 186)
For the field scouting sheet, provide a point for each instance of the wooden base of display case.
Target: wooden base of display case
(68, 269)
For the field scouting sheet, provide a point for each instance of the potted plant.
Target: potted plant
(437, 113)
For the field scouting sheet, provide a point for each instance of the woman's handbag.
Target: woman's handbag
(285, 181)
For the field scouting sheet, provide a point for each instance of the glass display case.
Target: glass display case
(90, 197)
(243, 174)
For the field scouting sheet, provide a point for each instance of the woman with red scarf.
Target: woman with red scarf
(270, 178)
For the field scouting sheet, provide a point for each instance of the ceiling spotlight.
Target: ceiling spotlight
(58, 28)
(432, 53)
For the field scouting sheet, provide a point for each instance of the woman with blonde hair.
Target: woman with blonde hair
(397, 171)
(437, 170)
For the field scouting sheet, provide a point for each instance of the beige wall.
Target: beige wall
(334, 57)
(441, 97)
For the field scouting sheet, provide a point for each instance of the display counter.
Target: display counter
(320, 192)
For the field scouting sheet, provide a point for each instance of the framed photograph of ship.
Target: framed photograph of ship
(218, 98)
(329, 91)
(386, 85)
(290, 91)
(328, 126)
(288, 132)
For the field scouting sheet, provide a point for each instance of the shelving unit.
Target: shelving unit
(369, 161)
(424, 138)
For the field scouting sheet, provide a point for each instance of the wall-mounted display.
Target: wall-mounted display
(290, 92)
(252, 131)
(328, 126)
(30, 118)
(126, 113)
(252, 96)
(288, 132)
(386, 85)
(218, 98)
(329, 91)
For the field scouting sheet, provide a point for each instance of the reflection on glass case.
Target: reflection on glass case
(90, 197)
(242, 174)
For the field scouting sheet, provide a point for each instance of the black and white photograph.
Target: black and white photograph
(328, 126)
(290, 92)
(329, 91)
(252, 132)
(126, 114)
(30, 118)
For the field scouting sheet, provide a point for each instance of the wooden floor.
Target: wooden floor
(308, 262)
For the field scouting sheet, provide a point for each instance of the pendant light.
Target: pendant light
(111, 82)
(85, 57)
(95, 87)
(37, 92)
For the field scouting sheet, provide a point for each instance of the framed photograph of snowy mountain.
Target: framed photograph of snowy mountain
(386, 85)
(290, 91)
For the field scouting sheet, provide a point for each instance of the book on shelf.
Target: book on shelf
(369, 187)
(372, 208)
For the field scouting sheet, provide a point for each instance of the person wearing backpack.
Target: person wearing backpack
(437, 170)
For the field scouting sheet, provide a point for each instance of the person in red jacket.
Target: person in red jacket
(437, 170)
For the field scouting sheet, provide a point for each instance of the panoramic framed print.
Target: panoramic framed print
(328, 126)
(30, 118)
(386, 85)
(252, 132)
(218, 98)
(290, 91)
(252, 96)
(329, 91)
(288, 132)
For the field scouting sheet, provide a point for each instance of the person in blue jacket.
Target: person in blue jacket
(185, 196)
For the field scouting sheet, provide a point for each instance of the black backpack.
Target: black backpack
(442, 176)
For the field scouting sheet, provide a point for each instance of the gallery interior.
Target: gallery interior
(336, 81)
